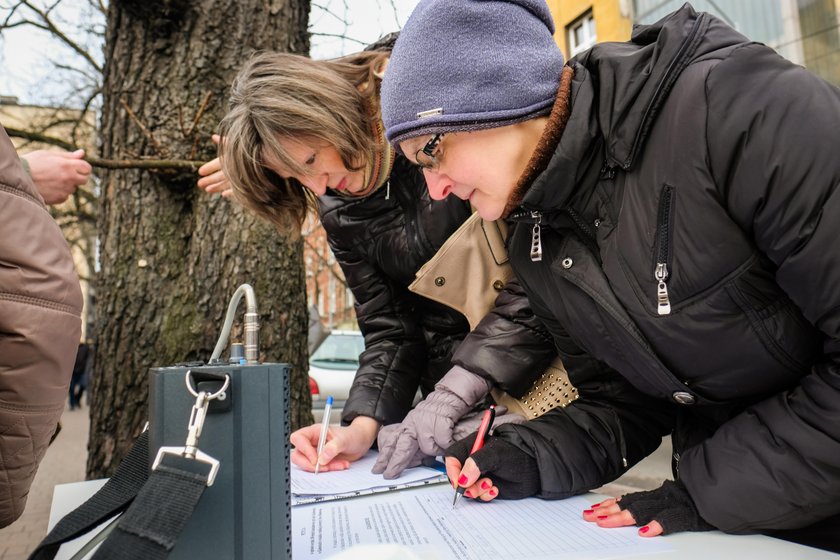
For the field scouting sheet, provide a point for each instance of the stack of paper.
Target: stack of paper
(308, 488)
(424, 522)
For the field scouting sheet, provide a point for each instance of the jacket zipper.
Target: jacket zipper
(531, 217)
(622, 445)
(676, 464)
(536, 238)
(663, 233)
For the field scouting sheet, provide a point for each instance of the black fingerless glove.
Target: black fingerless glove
(513, 471)
(670, 505)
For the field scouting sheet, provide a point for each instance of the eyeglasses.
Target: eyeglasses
(428, 157)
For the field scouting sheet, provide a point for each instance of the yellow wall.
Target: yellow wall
(610, 24)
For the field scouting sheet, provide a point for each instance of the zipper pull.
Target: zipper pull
(388, 190)
(536, 240)
(607, 171)
(663, 303)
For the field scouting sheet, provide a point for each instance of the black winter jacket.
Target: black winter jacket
(698, 171)
(381, 241)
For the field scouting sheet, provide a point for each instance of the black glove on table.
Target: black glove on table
(512, 471)
(670, 505)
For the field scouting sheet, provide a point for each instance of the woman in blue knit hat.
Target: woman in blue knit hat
(305, 135)
(673, 202)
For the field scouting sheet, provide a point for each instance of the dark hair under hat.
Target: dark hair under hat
(463, 65)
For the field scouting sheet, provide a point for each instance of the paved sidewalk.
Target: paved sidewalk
(64, 462)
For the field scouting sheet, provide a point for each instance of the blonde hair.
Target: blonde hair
(279, 95)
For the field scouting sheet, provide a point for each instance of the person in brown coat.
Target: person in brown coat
(40, 310)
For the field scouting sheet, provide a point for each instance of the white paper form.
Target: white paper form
(423, 520)
(308, 487)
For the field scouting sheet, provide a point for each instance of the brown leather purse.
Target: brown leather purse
(467, 274)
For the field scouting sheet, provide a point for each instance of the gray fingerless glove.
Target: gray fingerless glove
(670, 505)
(429, 427)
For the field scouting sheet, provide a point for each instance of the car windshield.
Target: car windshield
(339, 349)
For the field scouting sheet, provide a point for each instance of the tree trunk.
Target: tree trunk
(171, 256)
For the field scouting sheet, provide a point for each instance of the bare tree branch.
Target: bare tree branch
(394, 11)
(74, 133)
(80, 71)
(328, 11)
(24, 22)
(51, 8)
(39, 137)
(199, 113)
(10, 15)
(109, 163)
(51, 27)
(149, 134)
(338, 36)
(187, 165)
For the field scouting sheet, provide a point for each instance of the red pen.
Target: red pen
(483, 430)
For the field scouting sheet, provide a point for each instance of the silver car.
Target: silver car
(332, 368)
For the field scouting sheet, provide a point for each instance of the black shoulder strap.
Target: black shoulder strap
(157, 506)
(149, 529)
(110, 500)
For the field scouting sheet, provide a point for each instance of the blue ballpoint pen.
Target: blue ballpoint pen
(325, 425)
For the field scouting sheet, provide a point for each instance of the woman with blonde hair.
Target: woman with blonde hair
(305, 134)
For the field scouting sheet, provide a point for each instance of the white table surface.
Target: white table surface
(686, 546)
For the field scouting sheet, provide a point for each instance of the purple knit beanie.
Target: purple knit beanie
(463, 65)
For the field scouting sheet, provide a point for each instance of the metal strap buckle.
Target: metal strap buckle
(194, 427)
(199, 456)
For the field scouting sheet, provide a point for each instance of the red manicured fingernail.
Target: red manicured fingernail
(644, 529)
(485, 485)
(593, 506)
(468, 494)
(462, 480)
(588, 512)
(603, 516)
(492, 492)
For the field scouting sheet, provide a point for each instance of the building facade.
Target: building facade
(326, 287)
(579, 24)
(806, 32)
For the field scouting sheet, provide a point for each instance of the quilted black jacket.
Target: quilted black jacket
(691, 274)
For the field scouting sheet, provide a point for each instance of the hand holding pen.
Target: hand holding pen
(498, 469)
(343, 444)
(325, 426)
(462, 480)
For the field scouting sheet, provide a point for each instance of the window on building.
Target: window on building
(581, 34)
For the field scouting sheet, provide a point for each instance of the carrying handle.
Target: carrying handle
(252, 325)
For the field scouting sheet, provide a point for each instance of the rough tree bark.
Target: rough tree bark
(172, 256)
